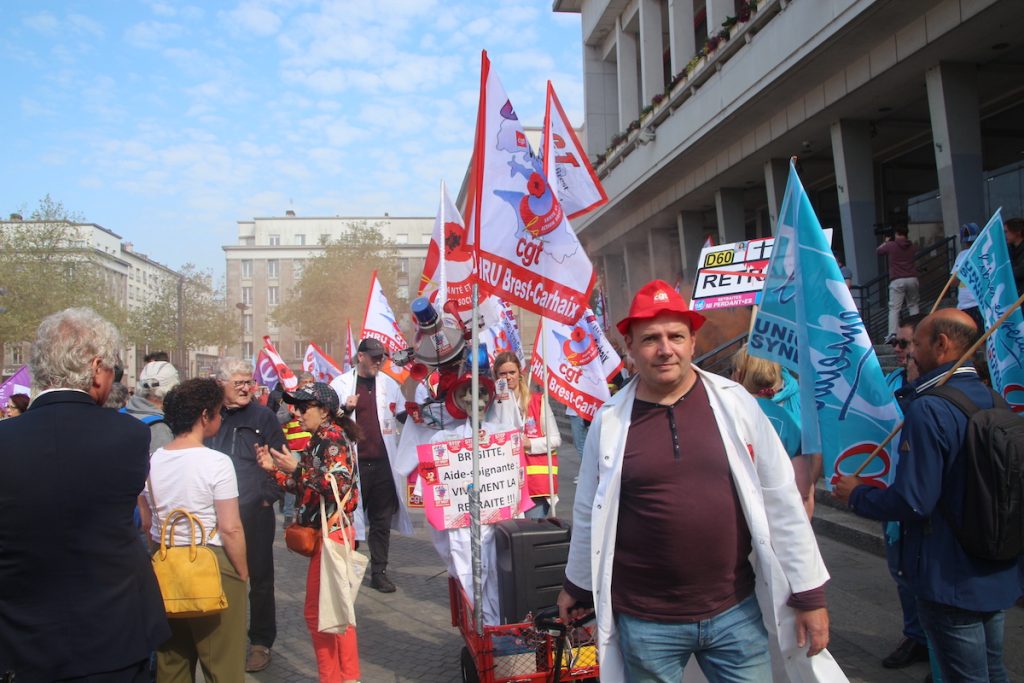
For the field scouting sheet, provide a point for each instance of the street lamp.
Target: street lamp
(242, 308)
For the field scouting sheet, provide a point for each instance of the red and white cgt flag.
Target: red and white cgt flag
(350, 350)
(527, 253)
(566, 165)
(379, 323)
(319, 364)
(448, 270)
(580, 362)
(287, 378)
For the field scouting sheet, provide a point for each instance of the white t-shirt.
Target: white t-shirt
(191, 479)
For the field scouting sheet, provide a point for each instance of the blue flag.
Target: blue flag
(987, 272)
(809, 324)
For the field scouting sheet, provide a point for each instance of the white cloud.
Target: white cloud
(85, 25)
(252, 18)
(44, 22)
(150, 35)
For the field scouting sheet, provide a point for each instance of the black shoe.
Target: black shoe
(906, 653)
(382, 583)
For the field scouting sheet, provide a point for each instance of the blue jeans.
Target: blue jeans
(540, 510)
(731, 647)
(579, 433)
(968, 645)
(908, 601)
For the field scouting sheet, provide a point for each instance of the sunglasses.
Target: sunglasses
(303, 407)
(901, 343)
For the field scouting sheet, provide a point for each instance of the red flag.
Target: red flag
(566, 165)
(350, 350)
(448, 269)
(284, 373)
(319, 364)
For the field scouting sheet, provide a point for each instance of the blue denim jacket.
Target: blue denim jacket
(929, 470)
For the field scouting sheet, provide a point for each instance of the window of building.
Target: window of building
(247, 295)
(275, 240)
(247, 350)
(403, 292)
(300, 240)
(247, 268)
(425, 238)
(402, 238)
(403, 265)
(273, 295)
(297, 268)
(300, 349)
(273, 268)
(248, 241)
(247, 323)
(14, 354)
(325, 238)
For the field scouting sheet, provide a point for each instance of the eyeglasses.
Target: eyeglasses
(902, 343)
(242, 383)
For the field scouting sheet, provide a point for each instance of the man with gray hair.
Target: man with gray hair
(156, 379)
(247, 429)
(78, 598)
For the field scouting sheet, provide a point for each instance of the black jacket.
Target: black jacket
(77, 590)
(242, 430)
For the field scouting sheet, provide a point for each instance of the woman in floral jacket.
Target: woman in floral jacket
(330, 450)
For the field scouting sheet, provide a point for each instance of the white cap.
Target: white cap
(157, 378)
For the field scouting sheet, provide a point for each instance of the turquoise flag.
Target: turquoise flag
(987, 272)
(809, 324)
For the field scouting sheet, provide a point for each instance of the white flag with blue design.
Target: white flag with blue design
(987, 272)
(809, 324)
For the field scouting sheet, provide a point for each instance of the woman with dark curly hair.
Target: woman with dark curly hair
(330, 450)
(185, 474)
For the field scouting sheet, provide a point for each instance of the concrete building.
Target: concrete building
(266, 262)
(899, 111)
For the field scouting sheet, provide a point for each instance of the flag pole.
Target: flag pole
(543, 418)
(938, 300)
(963, 359)
(474, 492)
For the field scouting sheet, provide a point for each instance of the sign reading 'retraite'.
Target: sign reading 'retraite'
(731, 274)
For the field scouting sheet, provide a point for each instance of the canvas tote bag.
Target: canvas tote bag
(341, 571)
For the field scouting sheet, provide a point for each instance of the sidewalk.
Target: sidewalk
(408, 636)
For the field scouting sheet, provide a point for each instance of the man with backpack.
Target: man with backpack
(963, 574)
(156, 379)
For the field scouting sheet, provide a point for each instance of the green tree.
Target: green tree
(334, 285)
(206, 319)
(47, 264)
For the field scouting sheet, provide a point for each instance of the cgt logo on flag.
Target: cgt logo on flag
(580, 348)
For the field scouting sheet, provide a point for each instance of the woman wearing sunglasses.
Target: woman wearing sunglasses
(330, 450)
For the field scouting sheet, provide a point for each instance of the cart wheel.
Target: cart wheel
(469, 674)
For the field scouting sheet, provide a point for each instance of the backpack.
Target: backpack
(992, 527)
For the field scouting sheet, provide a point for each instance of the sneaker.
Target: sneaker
(906, 653)
(382, 583)
(258, 659)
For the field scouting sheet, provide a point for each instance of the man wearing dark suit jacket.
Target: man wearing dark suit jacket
(78, 598)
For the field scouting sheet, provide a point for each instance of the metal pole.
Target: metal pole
(543, 417)
(474, 492)
(180, 330)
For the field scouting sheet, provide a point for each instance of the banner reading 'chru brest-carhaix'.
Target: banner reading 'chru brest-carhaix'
(580, 362)
(809, 324)
(988, 273)
(527, 252)
(379, 323)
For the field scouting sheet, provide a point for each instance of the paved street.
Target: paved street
(408, 636)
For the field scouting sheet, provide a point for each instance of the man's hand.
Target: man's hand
(350, 403)
(567, 607)
(812, 625)
(842, 487)
(263, 458)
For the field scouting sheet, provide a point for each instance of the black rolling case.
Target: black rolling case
(531, 557)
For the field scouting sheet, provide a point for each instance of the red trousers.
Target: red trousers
(337, 656)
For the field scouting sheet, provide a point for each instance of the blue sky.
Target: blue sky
(167, 122)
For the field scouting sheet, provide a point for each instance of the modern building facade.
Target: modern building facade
(266, 263)
(898, 111)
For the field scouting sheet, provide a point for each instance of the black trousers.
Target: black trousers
(260, 524)
(133, 673)
(380, 501)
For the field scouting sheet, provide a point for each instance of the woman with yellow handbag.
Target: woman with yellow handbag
(185, 475)
(329, 452)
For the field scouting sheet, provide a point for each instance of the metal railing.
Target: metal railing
(719, 359)
(934, 264)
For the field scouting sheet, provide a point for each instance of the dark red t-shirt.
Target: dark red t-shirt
(371, 446)
(682, 541)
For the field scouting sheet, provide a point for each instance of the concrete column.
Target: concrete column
(627, 279)
(615, 287)
(718, 11)
(652, 71)
(600, 100)
(626, 59)
(681, 42)
(638, 266)
(690, 226)
(956, 134)
(729, 207)
(663, 248)
(851, 149)
(776, 173)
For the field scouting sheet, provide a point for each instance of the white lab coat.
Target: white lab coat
(784, 555)
(389, 404)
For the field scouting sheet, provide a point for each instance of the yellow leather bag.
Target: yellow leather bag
(189, 576)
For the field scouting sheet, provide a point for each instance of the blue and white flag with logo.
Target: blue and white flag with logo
(987, 272)
(809, 324)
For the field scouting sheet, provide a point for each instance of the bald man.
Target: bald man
(961, 599)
